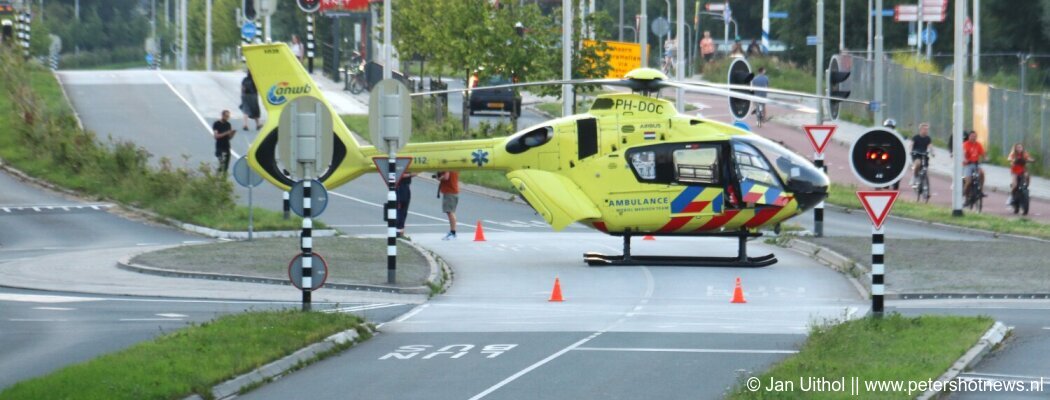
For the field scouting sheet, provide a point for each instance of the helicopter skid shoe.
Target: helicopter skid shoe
(597, 260)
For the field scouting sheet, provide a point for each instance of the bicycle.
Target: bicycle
(357, 79)
(922, 178)
(975, 192)
(760, 114)
(1019, 196)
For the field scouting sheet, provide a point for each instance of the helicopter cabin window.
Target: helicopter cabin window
(752, 166)
(521, 142)
(644, 163)
(696, 165)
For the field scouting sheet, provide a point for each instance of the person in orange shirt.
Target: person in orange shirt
(707, 47)
(449, 188)
(973, 154)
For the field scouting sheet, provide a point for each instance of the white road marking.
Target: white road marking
(54, 308)
(39, 298)
(1034, 378)
(657, 350)
(38, 320)
(194, 241)
(412, 313)
(171, 315)
(37, 209)
(148, 319)
(351, 198)
(1046, 328)
(361, 308)
(538, 364)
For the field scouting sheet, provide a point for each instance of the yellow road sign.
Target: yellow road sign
(623, 57)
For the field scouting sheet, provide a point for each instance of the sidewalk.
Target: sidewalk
(996, 177)
(342, 101)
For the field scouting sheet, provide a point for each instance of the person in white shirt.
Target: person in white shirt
(297, 47)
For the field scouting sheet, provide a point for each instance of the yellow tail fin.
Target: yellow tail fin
(279, 78)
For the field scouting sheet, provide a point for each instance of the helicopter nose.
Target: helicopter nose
(810, 186)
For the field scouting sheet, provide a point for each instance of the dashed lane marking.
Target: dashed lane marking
(54, 308)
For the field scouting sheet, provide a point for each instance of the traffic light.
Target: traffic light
(740, 74)
(250, 10)
(878, 158)
(837, 76)
(309, 6)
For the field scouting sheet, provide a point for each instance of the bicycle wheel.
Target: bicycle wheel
(356, 86)
(924, 188)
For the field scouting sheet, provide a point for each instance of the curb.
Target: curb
(835, 261)
(126, 264)
(314, 352)
(991, 338)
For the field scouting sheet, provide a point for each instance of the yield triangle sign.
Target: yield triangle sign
(819, 135)
(383, 165)
(877, 204)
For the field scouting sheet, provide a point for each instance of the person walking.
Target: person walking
(449, 189)
(250, 101)
(223, 132)
(297, 48)
(404, 197)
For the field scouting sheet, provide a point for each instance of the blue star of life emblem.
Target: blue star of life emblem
(480, 157)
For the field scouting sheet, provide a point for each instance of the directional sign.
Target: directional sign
(910, 13)
(778, 14)
(319, 274)
(660, 26)
(929, 35)
(877, 204)
(888, 12)
(248, 30)
(716, 6)
(244, 175)
(401, 167)
(811, 40)
(819, 135)
(318, 198)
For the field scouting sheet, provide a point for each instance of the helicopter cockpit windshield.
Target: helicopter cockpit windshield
(523, 141)
(796, 174)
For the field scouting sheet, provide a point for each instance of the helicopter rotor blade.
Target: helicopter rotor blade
(771, 90)
(738, 95)
(613, 82)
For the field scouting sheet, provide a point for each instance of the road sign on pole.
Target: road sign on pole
(249, 30)
(390, 115)
(877, 204)
(819, 136)
(318, 198)
(660, 26)
(401, 167)
(320, 272)
(811, 40)
(304, 134)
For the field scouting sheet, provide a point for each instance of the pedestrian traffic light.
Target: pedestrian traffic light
(740, 74)
(249, 9)
(309, 6)
(878, 158)
(838, 73)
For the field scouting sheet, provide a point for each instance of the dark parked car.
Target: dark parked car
(495, 99)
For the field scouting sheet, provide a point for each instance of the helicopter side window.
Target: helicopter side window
(752, 166)
(521, 142)
(696, 165)
(644, 163)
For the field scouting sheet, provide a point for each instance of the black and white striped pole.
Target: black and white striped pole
(27, 21)
(878, 269)
(307, 245)
(390, 124)
(819, 136)
(310, 43)
(287, 207)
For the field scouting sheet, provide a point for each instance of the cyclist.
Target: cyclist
(892, 124)
(920, 149)
(760, 80)
(973, 154)
(1018, 158)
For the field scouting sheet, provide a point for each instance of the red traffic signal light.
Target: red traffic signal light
(878, 155)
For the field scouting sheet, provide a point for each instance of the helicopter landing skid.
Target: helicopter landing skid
(740, 261)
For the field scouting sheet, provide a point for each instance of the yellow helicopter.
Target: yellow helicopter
(630, 166)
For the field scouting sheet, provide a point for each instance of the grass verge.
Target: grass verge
(42, 139)
(845, 196)
(191, 360)
(893, 348)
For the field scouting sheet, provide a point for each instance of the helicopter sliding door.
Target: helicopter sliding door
(687, 184)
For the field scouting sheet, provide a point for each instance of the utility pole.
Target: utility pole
(765, 26)
(621, 21)
(869, 16)
(207, 39)
(878, 64)
(643, 34)
(976, 68)
(76, 10)
(387, 68)
(679, 68)
(918, 33)
(820, 61)
(566, 56)
(842, 26)
(183, 47)
(957, 107)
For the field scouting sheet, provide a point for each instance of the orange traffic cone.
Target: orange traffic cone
(556, 294)
(738, 293)
(479, 233)
(648, 237)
